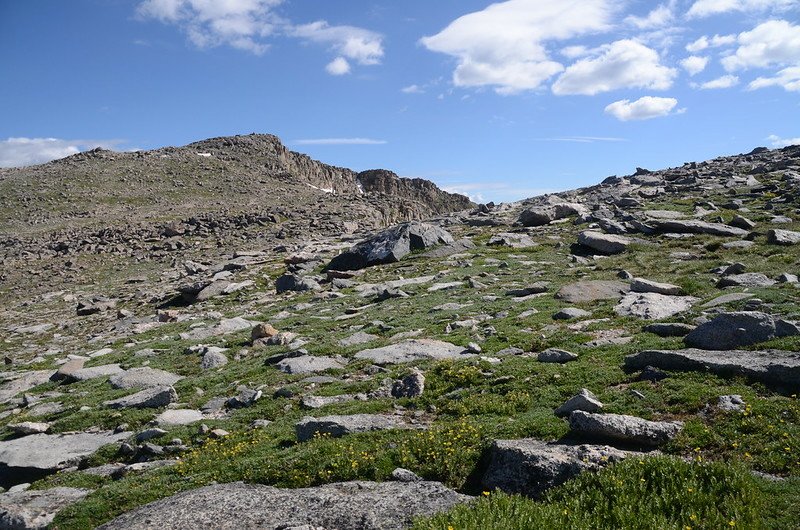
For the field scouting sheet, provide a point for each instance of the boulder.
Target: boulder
(27, 428)
(583, 400)
(592, 290)
(308, 364)
(571, 313)
(652, 306)
(622, 428)
(178, 417)
(149, 398)
(36, 509)
(511, 240)
(23, 382)
(84, 374)
(411, 386)
(603, 243)
(531, 467)
(747, 279)
(554, 355)
(698, 227)
(343, 506)
(542, 215)
(783, 237)
(669, 329)
(391, 245)
(293, 282)
(732, 330)
(414, 350)
(337, 426)
(144, 377)
(213, 358)
(357, 338)
(35, 456)
(770, 367)
(640, 285)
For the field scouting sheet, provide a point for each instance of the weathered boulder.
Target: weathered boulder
(84, 374)
(771, 367)
(337, 426)
(23, 382)
(149, 398)
(144, 377)
(391, 245)
(36, 509)
(411, 386)
(669, 329)
(747, 279)
(293, 282)
(592, 290)
(640, 285)
(213, 358)
(178, 417)
(698, 227)
(414, 350)
(622, 428)
(571, 313)
(359, 337)
(554, 355)
(531, 467)
(35, 456)
(652, 306)
(506, 239)
(26, 428)
(583, 400)
(783, 237)
(307, 364)
(732, 330)
(603, 243)
(343, 506)
(542, 215)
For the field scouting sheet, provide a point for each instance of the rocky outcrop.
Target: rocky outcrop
(35, 509)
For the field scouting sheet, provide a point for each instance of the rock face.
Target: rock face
(592, 290)
(603, 243)
(342, 506)
(623, 429)
(35, 509)
(391, 245)
(531, 467)
(337, 426)
(733, 330)
(38, 455)
(652, 306)
(771, 367)
(414, 350)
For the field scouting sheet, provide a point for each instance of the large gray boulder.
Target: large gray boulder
(84, 374)
(342, 506)
(531, 467)
(22, 382)
(35, 509)
(603, 243)
(391, 245)
(337, 426)
(783, 237)
(149, 398)
(641, 285)
(747, 279)
(771, 367)
(584, 400)
(414, 350)
(542, 215)
(653, 306)
(592, 290)
(741, 328)
(698, 227)
(143, 378)
(308, 364)
(32, 457)
(623, 429)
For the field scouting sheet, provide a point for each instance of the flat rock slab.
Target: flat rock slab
(84, 374)
(592, 290)
(143, 378)
(225, 327)
(698, 227)
(179, 417)
(308, 364)
(149, 398)
(360, 337)
(603, 243)
(22, 383)
(342, 506)
(783, 237)
(337, 426)
(747, 279)
(35, 509)
(727, 299)
(624, 429)
(641, 285)
(531, 467)
(653, 306)
(39, 454)
(414, 350)
(506, 239)
(771, 366)
(740, 328)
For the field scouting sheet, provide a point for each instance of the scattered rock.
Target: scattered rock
(652, 306)
(604, 243)
(640, 285)
(732, 403)
(732, 330)
(622, 428)
(554, 355)
(783, 237)
(506, 239)
(213, 358)
(143, 377)
(84, 374)
(542, 215)
(413, 350)
(178, 417)
(28, 427)
(309, 364)
(571, 313)
(583, 400)
(698, 227)
(411, 386)
(360, 337)
(149, 398)
(670, 329)
(337, 426)
(748, 279)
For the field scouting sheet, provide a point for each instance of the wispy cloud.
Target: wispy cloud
(340, 141)
(777, 141)
(18, 152)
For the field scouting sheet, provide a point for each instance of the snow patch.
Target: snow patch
(325, 190)
(204, 155)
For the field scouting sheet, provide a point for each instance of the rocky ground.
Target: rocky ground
(499, 366)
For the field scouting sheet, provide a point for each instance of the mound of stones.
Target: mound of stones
(343, 506)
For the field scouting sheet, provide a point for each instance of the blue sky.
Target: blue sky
(497, 100)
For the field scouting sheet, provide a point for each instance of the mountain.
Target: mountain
(203, 337)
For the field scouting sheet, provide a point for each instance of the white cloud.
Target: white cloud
(788, 78)
(503, 46)
(775, 42)
(360, 45)
(705, 42)
(241, 24)
(642, 109)
(705, 8)
(338, 66)
(573, 52)
(694, 64)
(621, 64)
(657, 18)
(340, 141)
(17, 152)
(412, 89)
(777, 141)
(726, 81)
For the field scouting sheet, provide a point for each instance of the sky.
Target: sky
(497, 100)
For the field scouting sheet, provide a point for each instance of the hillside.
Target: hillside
(195, 340)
